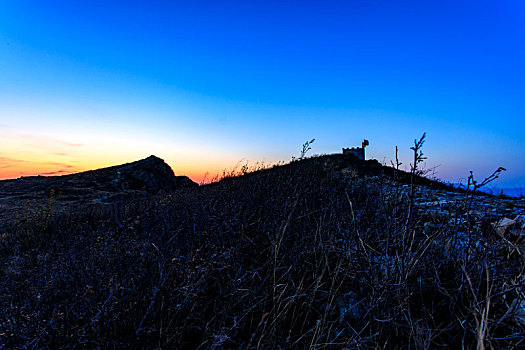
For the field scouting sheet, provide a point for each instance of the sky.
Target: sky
(207, 85)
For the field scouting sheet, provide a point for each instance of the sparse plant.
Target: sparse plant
(473, 187)
(414, 171)
(306, 147)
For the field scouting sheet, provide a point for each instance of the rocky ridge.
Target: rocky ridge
(111, 185)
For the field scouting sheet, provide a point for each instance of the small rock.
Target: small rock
(503, 226)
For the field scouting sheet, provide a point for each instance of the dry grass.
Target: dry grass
(299, 256)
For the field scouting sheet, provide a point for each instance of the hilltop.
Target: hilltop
(81, 191)
(324, 252)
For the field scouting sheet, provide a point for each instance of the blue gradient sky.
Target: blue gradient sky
(205, 85)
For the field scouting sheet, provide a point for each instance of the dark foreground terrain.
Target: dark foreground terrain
(326, 252)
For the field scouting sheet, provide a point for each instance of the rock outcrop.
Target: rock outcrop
(151, 174)
(95, 187)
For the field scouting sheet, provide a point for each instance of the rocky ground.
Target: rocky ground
(505, 214)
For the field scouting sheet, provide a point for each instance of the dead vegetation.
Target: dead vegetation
(325, 252)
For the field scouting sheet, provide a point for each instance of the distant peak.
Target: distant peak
(153, 157)
(149, 160)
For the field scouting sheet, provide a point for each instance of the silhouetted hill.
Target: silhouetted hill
(102, 186)
(350, 165)
(326, 252)
(150, 174)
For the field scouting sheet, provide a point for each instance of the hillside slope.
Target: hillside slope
(327, 252)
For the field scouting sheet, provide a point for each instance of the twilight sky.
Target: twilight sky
(208, 84)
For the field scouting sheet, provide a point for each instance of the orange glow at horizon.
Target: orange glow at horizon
(11, 168)
(31, 156)
(33, 152)
(14, 168)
